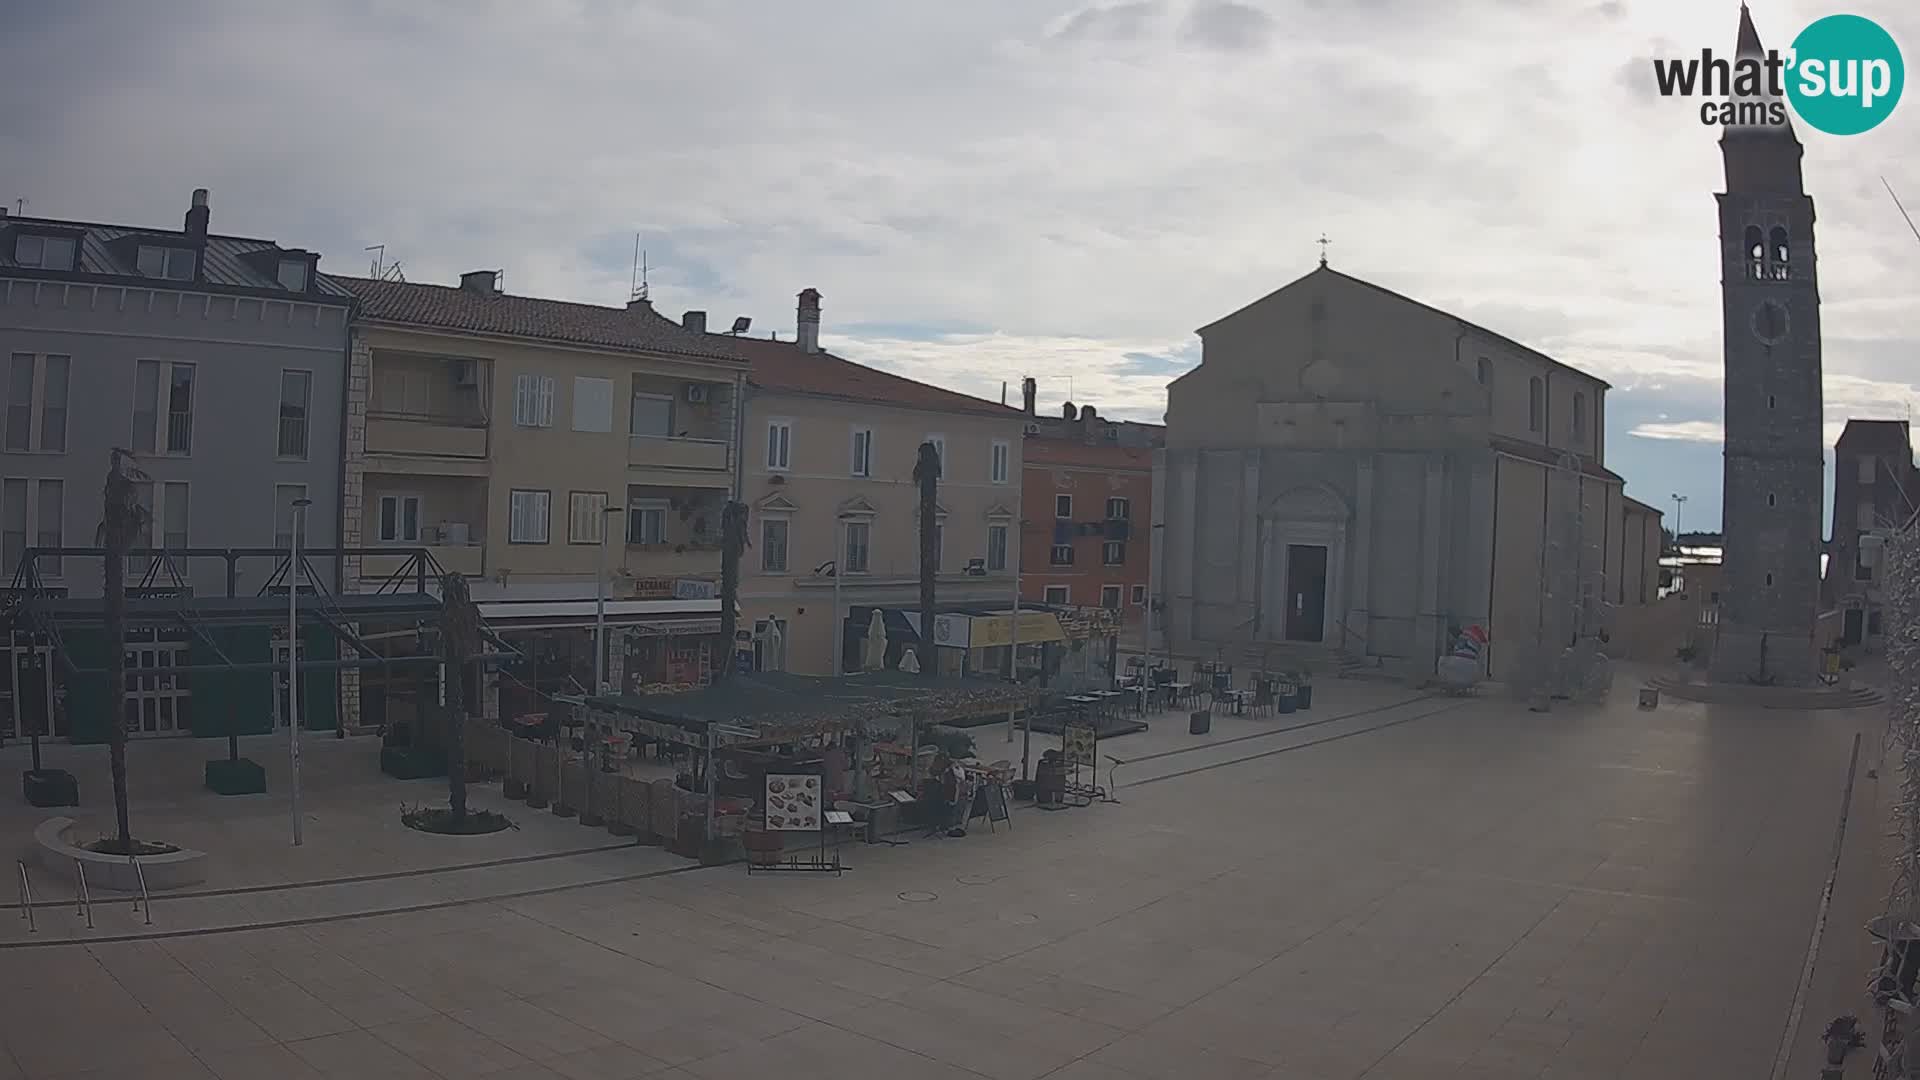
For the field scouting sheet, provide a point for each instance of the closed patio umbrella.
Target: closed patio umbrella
(876, 652)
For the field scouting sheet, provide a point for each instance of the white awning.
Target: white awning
(659, 614)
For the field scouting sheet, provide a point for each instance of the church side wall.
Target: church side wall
(1520, 536)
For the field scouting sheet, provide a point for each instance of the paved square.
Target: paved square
(1435, 888)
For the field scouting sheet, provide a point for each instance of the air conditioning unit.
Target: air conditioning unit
(697, 393)
(465, 372)
(1033, 429)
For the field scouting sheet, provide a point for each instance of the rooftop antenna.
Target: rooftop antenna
(19, 207)
(379, 260)
(638, 289)
(1902, 209)
(1323, 242)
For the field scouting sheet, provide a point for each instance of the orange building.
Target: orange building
(1085, 513)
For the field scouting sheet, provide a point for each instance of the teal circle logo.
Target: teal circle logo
(1846, 75)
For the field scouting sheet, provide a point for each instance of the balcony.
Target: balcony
(672, 560)
(418, 435)
(462, 558)
(674, 461)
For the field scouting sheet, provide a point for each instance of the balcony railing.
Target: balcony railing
(653, 451)
(438, 436)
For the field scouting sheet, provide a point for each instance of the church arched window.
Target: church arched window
(1779, 254)
(1756, 253)
(1579, 417)
(1536, 402)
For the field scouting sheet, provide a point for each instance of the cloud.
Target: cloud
(1704, 431)
(1228, 26)
(1114, 22)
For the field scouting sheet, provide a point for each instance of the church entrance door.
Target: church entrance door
(1306, 592)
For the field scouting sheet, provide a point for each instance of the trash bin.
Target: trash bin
(1200, 722)
(1304, 696)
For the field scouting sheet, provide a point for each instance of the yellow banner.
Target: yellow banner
(991, 631)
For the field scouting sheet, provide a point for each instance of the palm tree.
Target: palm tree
(733, 539)
(123, 520)
(926, 472)
(459, 642)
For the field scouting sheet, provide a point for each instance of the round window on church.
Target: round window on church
(1770, 322)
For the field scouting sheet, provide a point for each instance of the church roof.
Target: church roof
(1749, 44)
(1463, 324)
(1546, 455)
(1875, 436)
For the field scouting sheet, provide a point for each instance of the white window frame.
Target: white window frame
(162, 407)
(529, 512)
(779, 457)
(305, 420)
(1057, 515)
(399, 500)
(785, 521)
(38, 408)
(300, 274)
(280, 539)
(162, 503)
(593, 404)
(40, 261)
(634, 414)
(1001, 461)
(1123, 504)
(171, 259)
(1054, 550)
(860, 452)
(532, 400)
(1107, 549)
(1057, 594)
(657, 508)
(1118, 593)
(844, 559)
(589, 509)
(1006, 533)
(1138, 595)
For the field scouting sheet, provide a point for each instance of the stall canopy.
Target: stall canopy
(679, 617)
(774, 707)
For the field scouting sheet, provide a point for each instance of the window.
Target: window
(48, 513)
(1114, 553)
(1536, 403)
(284, 496)
(1769, 581)
(862, 460)
(1769, 401)
(773, 545)
(1063, 506)
(651, 415)
(1869, 469)
(296, 387)
(592, 404)
(1769, 498)
(533, 401)
(172, 514)
(996, 547)
(858, 548)
(779, 445)
(1056, 594)
(399, 518)
(293, 275)
(162, 387)
(1483, 372)
(43, 252)
(1779, 254)
(1002, 454)
(528, 515)
(1863, 515)
(646, 521)
(172, 263)
(1110, 597)
(586, 517)
(408, 393)
(1755, 249)
(1060, 555)
(1139, 594)
(13, 524)
(1579, 417)
(1119, 509)
(48, 400)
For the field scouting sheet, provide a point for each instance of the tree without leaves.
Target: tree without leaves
(459, 642)
(121, 522)
(926, 473)
(733, 539)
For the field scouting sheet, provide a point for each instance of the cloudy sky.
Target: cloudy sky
(1000, 187)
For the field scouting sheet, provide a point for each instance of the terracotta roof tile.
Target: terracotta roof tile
(1040, 451)
(783, 367)
(634, 329)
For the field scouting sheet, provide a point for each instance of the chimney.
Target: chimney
(639, 303)
(695, 321)
(198, 215)
(1068, 412)
(809, 322)
(479, 281)
(1029, 393)
(1087, 413)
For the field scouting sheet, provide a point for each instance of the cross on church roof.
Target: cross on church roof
(1323, 242)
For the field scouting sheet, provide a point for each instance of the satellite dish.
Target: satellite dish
(740, 324)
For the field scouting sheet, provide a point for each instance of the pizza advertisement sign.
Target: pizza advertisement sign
(793, 803)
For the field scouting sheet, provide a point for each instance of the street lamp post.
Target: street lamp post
(1679, 501)
(599, 662)
(299, 526)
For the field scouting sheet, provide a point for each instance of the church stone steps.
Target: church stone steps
(1770, 697)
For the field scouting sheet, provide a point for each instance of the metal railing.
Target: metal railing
(143, 902)
(26, 897)
(85, 903)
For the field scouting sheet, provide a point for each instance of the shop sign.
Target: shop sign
(952, 631)
(677, 628)
(992, 631)
(695, 589)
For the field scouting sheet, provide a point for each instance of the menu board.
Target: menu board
(1077, 743)
(793, 803)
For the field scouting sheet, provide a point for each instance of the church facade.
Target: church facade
(1349, 471)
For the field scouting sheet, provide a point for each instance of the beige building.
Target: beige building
(504, 433)
(1353, 472)
(827, 475)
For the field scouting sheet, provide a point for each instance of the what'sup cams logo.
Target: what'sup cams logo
(1843, 76)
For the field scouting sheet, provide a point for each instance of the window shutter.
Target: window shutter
(546, 401)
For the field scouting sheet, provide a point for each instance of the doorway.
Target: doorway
(1850, 633)
(1306, 592)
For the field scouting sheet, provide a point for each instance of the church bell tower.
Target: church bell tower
(1774, 480)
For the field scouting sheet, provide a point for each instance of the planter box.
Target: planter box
(235, 776)
(50, 787)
